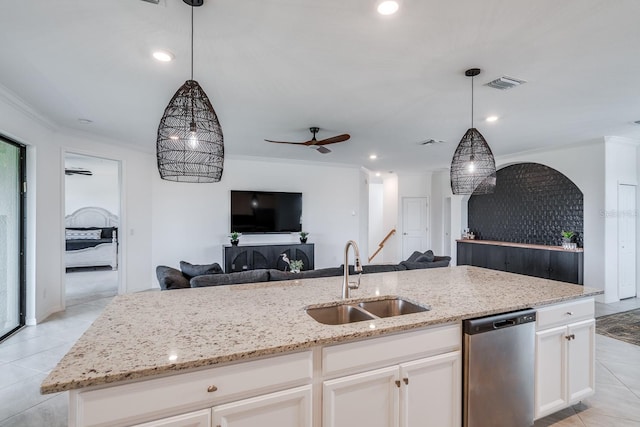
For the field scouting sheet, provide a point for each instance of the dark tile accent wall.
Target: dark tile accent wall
(532, 203)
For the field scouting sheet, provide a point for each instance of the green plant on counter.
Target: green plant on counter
(296, 265)
(568, 235)
(303, 234)
(235, 237)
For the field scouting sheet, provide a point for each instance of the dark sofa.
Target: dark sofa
(196, 276)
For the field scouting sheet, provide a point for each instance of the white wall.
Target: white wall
(45, 206)
(191, 221)
(620, 168)
(102, 189)
(390, 219)
(376, 224)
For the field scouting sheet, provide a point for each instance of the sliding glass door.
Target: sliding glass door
(12, 288)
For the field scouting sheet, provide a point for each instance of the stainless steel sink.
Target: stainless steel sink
(391, 307)
(339, 314)
(365, 310)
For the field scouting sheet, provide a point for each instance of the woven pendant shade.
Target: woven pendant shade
(473, 168)
(190, 145)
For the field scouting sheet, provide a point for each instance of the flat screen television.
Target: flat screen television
(265, 212)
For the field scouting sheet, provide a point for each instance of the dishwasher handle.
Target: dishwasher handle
(499, 321)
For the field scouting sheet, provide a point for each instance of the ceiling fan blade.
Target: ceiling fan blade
(333, 139)
(323, 150)
(287, 142)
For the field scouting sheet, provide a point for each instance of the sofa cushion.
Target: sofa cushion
(193, 270)
(426, 257)
(421, 265)
(414, 256)
(276, 275)
(170, 278)
(249, 276)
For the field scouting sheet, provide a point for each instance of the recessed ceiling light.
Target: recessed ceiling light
(163, 56)
(373, 156)
(388, 7)
(85, 121)
(492, 118)
(377, 173)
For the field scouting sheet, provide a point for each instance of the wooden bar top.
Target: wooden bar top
(519, 245)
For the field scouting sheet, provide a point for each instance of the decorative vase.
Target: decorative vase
(303, 240)
(295, 270)
(235, 242)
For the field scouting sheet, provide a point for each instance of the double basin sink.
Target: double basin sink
(365, 310)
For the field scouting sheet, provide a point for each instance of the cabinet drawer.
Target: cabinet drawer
(151, 399)
(379, 352)
(565, 313)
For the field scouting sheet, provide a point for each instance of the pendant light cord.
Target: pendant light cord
(472, 77)
(191, 41)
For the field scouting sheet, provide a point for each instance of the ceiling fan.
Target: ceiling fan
(78, 171)
(317, 144)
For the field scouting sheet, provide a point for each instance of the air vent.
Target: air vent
(152, 1)
(505, 82)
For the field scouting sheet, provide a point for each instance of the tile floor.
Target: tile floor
(27, 357)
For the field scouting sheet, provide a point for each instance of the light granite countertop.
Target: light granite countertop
(152, 333)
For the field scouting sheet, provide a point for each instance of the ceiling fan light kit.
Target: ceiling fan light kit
(190, 144)
(473, 167)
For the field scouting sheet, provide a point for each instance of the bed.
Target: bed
(91, 238)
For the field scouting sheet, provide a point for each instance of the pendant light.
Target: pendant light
(190, 145)
(473, 168)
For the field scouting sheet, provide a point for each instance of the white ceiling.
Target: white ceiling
(273, 68)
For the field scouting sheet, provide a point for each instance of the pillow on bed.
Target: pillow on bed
(193, 270)
(79, 234)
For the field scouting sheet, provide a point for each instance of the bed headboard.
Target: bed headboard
(91, 217)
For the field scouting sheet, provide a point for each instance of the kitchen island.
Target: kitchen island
(153, 340)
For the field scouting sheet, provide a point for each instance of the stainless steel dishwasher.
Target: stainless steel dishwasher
(498, 370)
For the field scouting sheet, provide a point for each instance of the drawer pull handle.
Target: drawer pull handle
(406, 381)
(570, 337)
(212, 388)
(569, 313)
(398, 383)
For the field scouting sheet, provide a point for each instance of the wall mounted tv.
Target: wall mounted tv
(265, 212)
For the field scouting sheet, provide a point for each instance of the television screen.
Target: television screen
(265, 212)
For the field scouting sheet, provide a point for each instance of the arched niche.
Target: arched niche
(532, 203)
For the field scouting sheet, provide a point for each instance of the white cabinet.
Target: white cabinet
(430, 392)
(408, 379)
(192, 419)
(424, 392)
(367, 399)
(565, 356)
(289, 408)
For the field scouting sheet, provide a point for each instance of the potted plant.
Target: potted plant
(568, 239)
(235, 238)
(296, 265)
(303, 236)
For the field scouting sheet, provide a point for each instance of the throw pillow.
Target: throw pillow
(414, 256)
(73, 234)
(193, 270)
(426, 257)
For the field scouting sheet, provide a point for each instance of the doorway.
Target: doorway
(627, 217)
(92, 224)
(415, 225)
(12, 261)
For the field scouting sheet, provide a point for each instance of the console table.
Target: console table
(548, 262)
(240, 258)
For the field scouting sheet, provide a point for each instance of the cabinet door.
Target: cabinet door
(289, 408)
(192, 419)
(550, 376)
(581, 360)
(368, 399)
(564, 266)
(431, 392)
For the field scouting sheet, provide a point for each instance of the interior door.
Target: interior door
(627, 216)
(415, 230)
(12, 160)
